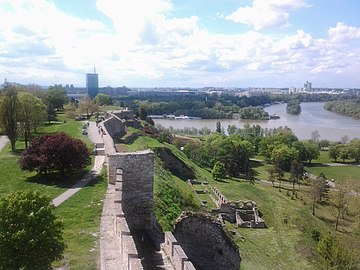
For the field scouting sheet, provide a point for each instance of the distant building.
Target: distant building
(92, 84)
(307, 86)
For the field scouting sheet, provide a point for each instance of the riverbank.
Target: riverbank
(331, 126)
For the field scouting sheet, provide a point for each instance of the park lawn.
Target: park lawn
(14, 179)
(71, 127)
(338, 173)
(81, 215)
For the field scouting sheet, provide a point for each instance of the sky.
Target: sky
(181, 43)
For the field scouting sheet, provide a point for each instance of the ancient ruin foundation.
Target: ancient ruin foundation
(205, 242)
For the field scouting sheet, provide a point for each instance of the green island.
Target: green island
(309, 225)
(293, 106)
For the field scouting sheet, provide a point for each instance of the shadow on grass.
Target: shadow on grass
(222, 180)
(256, 163)
(65, 180)
(327, 220)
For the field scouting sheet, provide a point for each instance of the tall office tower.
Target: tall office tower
(92, 84)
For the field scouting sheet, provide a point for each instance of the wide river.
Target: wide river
(331, 126)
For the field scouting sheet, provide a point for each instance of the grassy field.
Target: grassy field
(338, 173)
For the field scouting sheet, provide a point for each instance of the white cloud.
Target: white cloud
(148, 46)
(343, 33)
(266, 13)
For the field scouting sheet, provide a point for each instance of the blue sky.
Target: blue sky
(155, 43)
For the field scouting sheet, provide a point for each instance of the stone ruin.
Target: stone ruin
(244, 214)
(205, 242)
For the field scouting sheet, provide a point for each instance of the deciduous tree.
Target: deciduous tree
(9, 104)
(339, 199)
(58, 152)
(88, 106)
(218, 171)
(103, 99)
(30, 234)
(318, 189)
(31, 114)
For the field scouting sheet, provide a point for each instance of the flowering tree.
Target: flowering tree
(57, 152)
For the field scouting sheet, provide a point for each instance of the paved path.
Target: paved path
(3, 141)
(95, 137)
(99, 160)
(93, 133)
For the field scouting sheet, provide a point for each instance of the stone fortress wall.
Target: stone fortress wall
(137, 170)
(128, 218)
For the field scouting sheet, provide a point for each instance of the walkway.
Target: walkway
(96, 138)
(3, 141)
(99, 160)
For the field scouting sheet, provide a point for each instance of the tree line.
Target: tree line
(208, 106)
(346, 107)
(23, 110)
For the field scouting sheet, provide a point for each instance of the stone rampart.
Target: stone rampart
(137, 169)
(176, 254)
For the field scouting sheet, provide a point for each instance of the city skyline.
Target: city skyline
(163, 43)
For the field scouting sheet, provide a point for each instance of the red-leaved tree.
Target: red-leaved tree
(58, 152)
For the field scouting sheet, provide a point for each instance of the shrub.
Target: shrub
(57, 152)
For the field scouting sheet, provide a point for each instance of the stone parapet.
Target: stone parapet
(176, 254)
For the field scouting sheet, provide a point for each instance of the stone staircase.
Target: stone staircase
(99, 149)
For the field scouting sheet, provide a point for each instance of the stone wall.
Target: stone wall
(115, 127)
(176, 254)
(124, 114)
(205, 243)
(137, 169)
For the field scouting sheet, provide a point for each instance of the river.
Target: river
(331, 126)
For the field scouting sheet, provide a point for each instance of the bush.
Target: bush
(57, 152)
(30, 234)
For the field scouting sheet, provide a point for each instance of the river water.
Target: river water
(331, 126)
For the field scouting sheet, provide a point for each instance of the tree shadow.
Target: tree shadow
(222, 180)
(65, 180)
(256, 163)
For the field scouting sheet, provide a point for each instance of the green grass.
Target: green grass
(14, 179)
(143, 143)
(338, 173)
(81, 216)
(278, 246)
